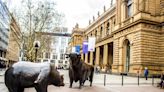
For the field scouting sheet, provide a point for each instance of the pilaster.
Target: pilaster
(91, 58)
(97, 55)
(86, 57)
(105, 54)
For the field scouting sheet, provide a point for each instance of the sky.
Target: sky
(80, 11)
(76, 11)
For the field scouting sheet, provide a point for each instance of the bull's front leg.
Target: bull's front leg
(71, 77)
(71, 82)
(82, 79)
(80, 83)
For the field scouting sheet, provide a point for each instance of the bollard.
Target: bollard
(138, 76)
(122, 79)
(152, 80)
(138, 80)
(104, 79)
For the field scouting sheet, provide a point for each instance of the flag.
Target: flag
(85, 47)
(77, 49)
(73, 50)
(91, 44)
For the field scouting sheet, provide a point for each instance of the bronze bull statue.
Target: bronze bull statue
(79, 71)
(27, 74)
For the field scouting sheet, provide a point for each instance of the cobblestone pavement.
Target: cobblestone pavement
(113, 84)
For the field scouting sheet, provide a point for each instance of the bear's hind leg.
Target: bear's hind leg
(20, 89)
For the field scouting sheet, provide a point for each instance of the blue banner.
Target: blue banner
(85, 47)
(77, 49)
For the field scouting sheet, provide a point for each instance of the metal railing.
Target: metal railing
(124, 79)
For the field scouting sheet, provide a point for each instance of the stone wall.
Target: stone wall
(146, 48)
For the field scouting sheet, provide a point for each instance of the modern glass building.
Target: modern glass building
(58, 45)
(4, 31)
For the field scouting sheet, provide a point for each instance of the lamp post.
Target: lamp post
(36, 45)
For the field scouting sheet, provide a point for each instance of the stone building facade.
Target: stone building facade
(4, 33)
(129, 37)
(77, 36)
(14, 45)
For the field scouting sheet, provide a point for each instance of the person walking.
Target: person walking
(98, 68)
(162, 80)
(146, 73)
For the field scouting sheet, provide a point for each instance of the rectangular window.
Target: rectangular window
(47, 55)
(60, 61)
(52, 61)
(96, 34)
(62, 56)
(107, 28)
(62, 51)
(54, 56)
(45, 60)
(129, 8)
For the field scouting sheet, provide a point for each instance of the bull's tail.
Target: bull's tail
(91, 76)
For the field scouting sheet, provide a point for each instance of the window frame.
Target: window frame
(129, 8)
(108, 27)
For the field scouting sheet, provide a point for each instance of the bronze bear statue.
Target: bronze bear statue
(27, 74)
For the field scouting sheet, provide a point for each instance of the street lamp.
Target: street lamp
(36, 45)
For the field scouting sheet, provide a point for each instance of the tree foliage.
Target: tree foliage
(34, 18)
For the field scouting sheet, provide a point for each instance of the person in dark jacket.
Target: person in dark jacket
(146, 73)
(161, 84)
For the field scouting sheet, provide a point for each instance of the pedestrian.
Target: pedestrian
(98, 68)
(146, 73)
(161, 84)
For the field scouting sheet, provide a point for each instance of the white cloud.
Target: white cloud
(80, 11)
(77, 11)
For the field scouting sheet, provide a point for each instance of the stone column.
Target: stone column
(118, 11)
(86, 58)
(91, 58)
(136, 8)
(110, 25)
(123, 11)
(97, 55)
(82, 56)
(98, 32)
(102, 35)
(105, 31)
(105, 54)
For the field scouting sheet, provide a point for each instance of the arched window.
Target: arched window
(126, 55)
(108, 28)
(96, 33)
(87, 37)
(129, 8)
(101, 30)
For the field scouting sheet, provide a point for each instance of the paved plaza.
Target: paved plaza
(113, 84)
